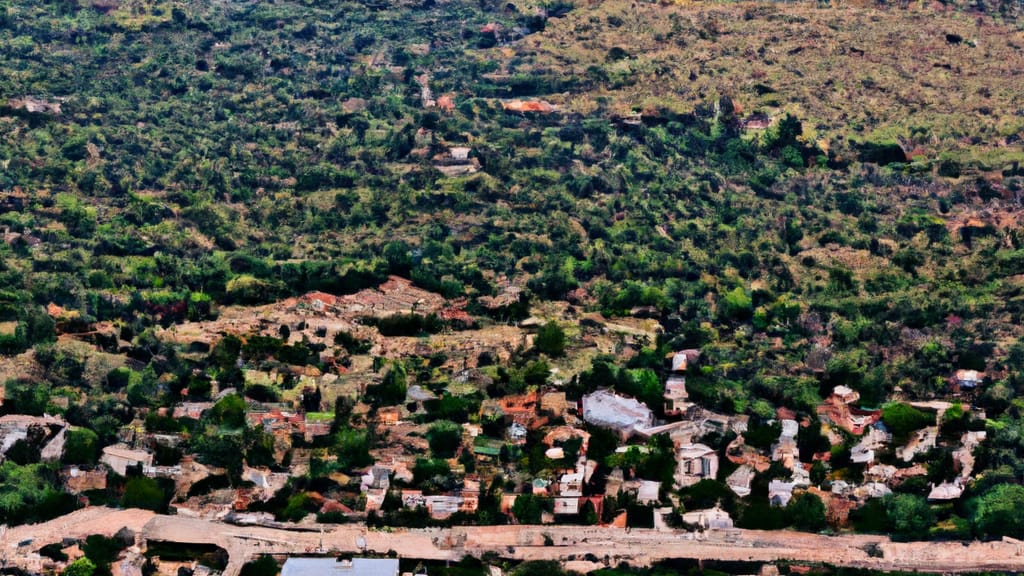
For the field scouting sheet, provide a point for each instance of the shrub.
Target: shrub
(445, 438)
(550, 340)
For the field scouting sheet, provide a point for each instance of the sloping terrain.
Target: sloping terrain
(935, 80)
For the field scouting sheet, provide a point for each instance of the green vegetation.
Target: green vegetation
(81, 567)
(261, 566)
(773, 185)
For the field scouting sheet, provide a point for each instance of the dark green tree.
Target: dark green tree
(550, 340)
(445, 437)
(909, 516)
(806, 512)
(142, 492)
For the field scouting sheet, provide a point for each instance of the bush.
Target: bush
(144, 493)
(806, 512)
(999, 512)
(528, 508)
(735, 305)
(429, 470)
(909, 516)
(550, 340)
(445, 438)
(81, 567)
(352, 447)
(902, 419)
(262, 566)
(81, 446)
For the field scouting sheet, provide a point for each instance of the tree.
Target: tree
(263, 566)
(445, 437)
(81, 567)
(392, 389)
(229, 411)
(999, 512)
(352, 447)
(429, 470)
(735, 305)
(550, 340)
(145, 493)
(142, 390)
(81, 446)
(806, 512)
(342, 412)
(23, 396)
(528, 508)
(909, 516)
(102, 551)
(903, 419)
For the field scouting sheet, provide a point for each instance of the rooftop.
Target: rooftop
(606, 409)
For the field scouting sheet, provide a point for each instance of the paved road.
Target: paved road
(638, 547)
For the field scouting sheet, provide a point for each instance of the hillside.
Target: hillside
(302, 239)
(941, 83)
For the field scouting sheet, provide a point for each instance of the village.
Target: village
(537, 456)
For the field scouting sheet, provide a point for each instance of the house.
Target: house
(871, 490)
(710, 519)
(968, 379)
(459, 153)
(845, 394)
(675, 396)
(571, 484)
(295, 566)
(920, 442)
(445, 103)
(624, 415)
(785, 450)
(418, 395)
(119, 457)
(470, 494)
(540, 487)
(695, 462)
(507, 502)
(739, 453)
(853, 420)
(780, 492)
(946, 491)
(15, 427)
(740, 480)
(193, 410)
(648, 492)
(517, 433)
(413, 498)
(567, 505)
(880, 473)
(389, 415)
(77, 480)
(375, 484)
(34, 105)
(864, 451)
(266, 483)
(756, 121)
(441, 507)
(521, 408)
(554, 403)
(679, 361)
(539, 106)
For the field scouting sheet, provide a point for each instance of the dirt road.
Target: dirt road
(565, 543)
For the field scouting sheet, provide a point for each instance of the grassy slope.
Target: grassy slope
(856, 73)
